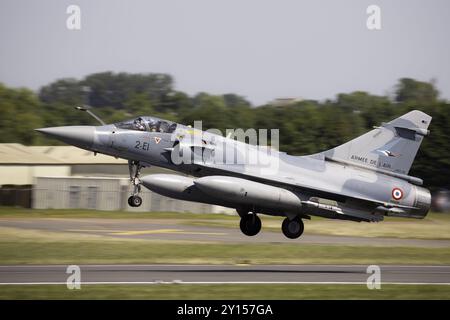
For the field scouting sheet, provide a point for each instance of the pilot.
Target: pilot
(139, 124)
(153, 125)
(163, 126)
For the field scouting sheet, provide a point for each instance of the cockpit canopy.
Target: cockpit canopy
(150, 124)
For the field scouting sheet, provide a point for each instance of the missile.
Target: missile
(249, 193)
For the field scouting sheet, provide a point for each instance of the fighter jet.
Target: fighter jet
(364, 179)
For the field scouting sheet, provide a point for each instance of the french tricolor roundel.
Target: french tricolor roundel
(397, 193)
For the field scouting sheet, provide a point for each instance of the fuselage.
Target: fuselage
(333, 189)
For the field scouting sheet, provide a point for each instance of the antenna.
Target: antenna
(86, 109)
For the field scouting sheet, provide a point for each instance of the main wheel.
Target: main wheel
(292, 228)
(250, 224)
(135, 201)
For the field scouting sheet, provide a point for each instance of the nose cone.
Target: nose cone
(79, 136)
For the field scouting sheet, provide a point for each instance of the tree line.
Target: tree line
(306, 127)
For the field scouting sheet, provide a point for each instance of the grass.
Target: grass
(232, 291)
(25, 246)
(95, 250)
(9, 212)
(434, 226)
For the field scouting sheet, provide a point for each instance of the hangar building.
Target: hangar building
(63, 177)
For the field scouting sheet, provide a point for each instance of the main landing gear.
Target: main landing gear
(134, 168)
(292, 228)
(251, 225)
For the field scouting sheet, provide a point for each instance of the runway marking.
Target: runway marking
(92, 230)
(223, 265)
(164, 231)
(141, 232)
(144, 232)
(222, 282)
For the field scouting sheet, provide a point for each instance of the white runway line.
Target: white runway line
(224, 265)
(220, 283)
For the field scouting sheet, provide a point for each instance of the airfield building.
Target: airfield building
(63, 177)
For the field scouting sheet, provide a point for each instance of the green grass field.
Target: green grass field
(231, 291)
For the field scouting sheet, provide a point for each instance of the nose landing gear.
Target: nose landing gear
(134, 168)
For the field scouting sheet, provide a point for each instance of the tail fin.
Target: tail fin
(391, 147)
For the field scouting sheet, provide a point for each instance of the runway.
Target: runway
(224, 274)
(172, 230)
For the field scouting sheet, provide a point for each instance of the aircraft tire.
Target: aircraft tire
(250, 225)
(292, 229)
(135, 201)
(130, 202)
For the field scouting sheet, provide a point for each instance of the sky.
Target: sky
(260, 49)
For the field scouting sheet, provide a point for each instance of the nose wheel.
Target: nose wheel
(134, 201)
(134, 168)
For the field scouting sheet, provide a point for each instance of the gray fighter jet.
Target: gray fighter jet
(364, 179)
